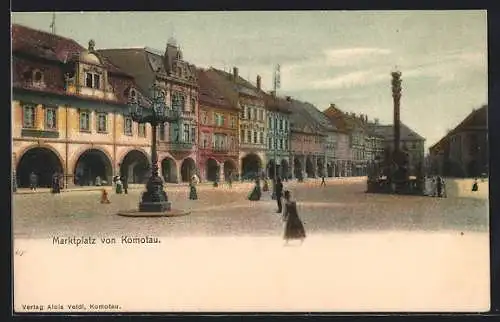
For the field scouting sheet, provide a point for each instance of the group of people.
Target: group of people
(121, 184)
(435, 187)
(294, 228)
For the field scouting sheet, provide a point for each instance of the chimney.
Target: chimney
(235, 73)
(258, 82)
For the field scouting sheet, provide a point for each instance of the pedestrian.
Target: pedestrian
(124, 181)
(193, 195)
(98, 181)
(61, 181)
(119, 185)
(230, 180)
(294, 228)
(323, 183)
(104, 196)
(55, 183)
(265, 187)
(475, 187)
(256, 193)
(279, 193)
(439, 187)
(33, 181)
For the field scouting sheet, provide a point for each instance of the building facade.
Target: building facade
(177, 142)
(463, 152)
(307, 143)
(278, 135)
(252, 120)
(410, 142)
(218, 150)
(69, 113)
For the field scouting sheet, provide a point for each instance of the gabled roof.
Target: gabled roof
(240, 86)
(406, 134)
(302, 121)
(319, 118)
(277, 104)
(210, 93)
(41, 44)
(477, 119)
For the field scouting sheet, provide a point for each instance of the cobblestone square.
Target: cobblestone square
(363, 252)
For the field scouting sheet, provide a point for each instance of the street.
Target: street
(363, 252)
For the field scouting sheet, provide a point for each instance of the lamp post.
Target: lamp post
(154, 199)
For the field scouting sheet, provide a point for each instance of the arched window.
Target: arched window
(37, 76)
(178, 101)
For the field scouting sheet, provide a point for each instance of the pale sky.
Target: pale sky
(341, 57)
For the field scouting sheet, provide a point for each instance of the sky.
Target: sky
(340, 57)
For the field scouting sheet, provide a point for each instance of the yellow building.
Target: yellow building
(70, 115)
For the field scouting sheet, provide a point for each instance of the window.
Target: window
(275, 123)
(204, 118)
(414, 145)
(242, 135)
(249, 113)
(85, 121)
(101, 122)
(243, 109)
(286, 144)
(261, 115)
(161, 132)
(205, 141)
(269, 122)
(178, 101)
(249, 136)
(92, 80)
(186, 133)
(233, 122)
(141, 129)
(254, 136)
(37, 76)
(254, 114)
(281, 125)
(29, 116)
(50, 118)
(281, 144)
(193, 105)
(219, 119)
(128, 125)
(270, 142)
(193, 134)
(261, 141)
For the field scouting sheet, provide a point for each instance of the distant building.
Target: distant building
(410, 142)
(252, 119)
(177, 146)
(70, 113)
(308, 142)
(218, 131)
(278, 134)
(463, 152)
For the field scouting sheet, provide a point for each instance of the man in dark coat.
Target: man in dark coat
(279, 193)
(55, 183)
(33, 181)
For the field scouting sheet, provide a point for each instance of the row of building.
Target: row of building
(70, 115)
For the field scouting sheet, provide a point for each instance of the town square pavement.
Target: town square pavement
(363, 252)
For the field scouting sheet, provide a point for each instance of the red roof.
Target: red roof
(49, 46)
(209, 93)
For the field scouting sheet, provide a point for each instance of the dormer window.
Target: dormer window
(92, 80)
(37, 76)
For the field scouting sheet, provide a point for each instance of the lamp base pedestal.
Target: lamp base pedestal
(159, 206)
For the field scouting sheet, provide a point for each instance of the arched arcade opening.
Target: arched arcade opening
(211, 170)
(188, 169)
(251, 165)
(41, 161)
(91, 164)
(309, 168)
(169, 170)
(135, 166)
(229, 169)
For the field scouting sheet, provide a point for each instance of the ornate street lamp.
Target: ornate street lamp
(154, 199)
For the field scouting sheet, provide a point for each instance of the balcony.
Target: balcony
(36, 133)
(181, 146)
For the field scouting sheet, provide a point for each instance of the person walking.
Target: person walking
(475, 186)
(294, 228)
(439, 187)
(193, 195)
(33, 181)
(55, 183)
(256, 192)
(124, 181)
(230, 179)
(323, 182)
(119, 185)
(279, 193)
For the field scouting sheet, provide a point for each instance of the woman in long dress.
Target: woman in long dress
(193, 195)
(256, 192)
(294, 228)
